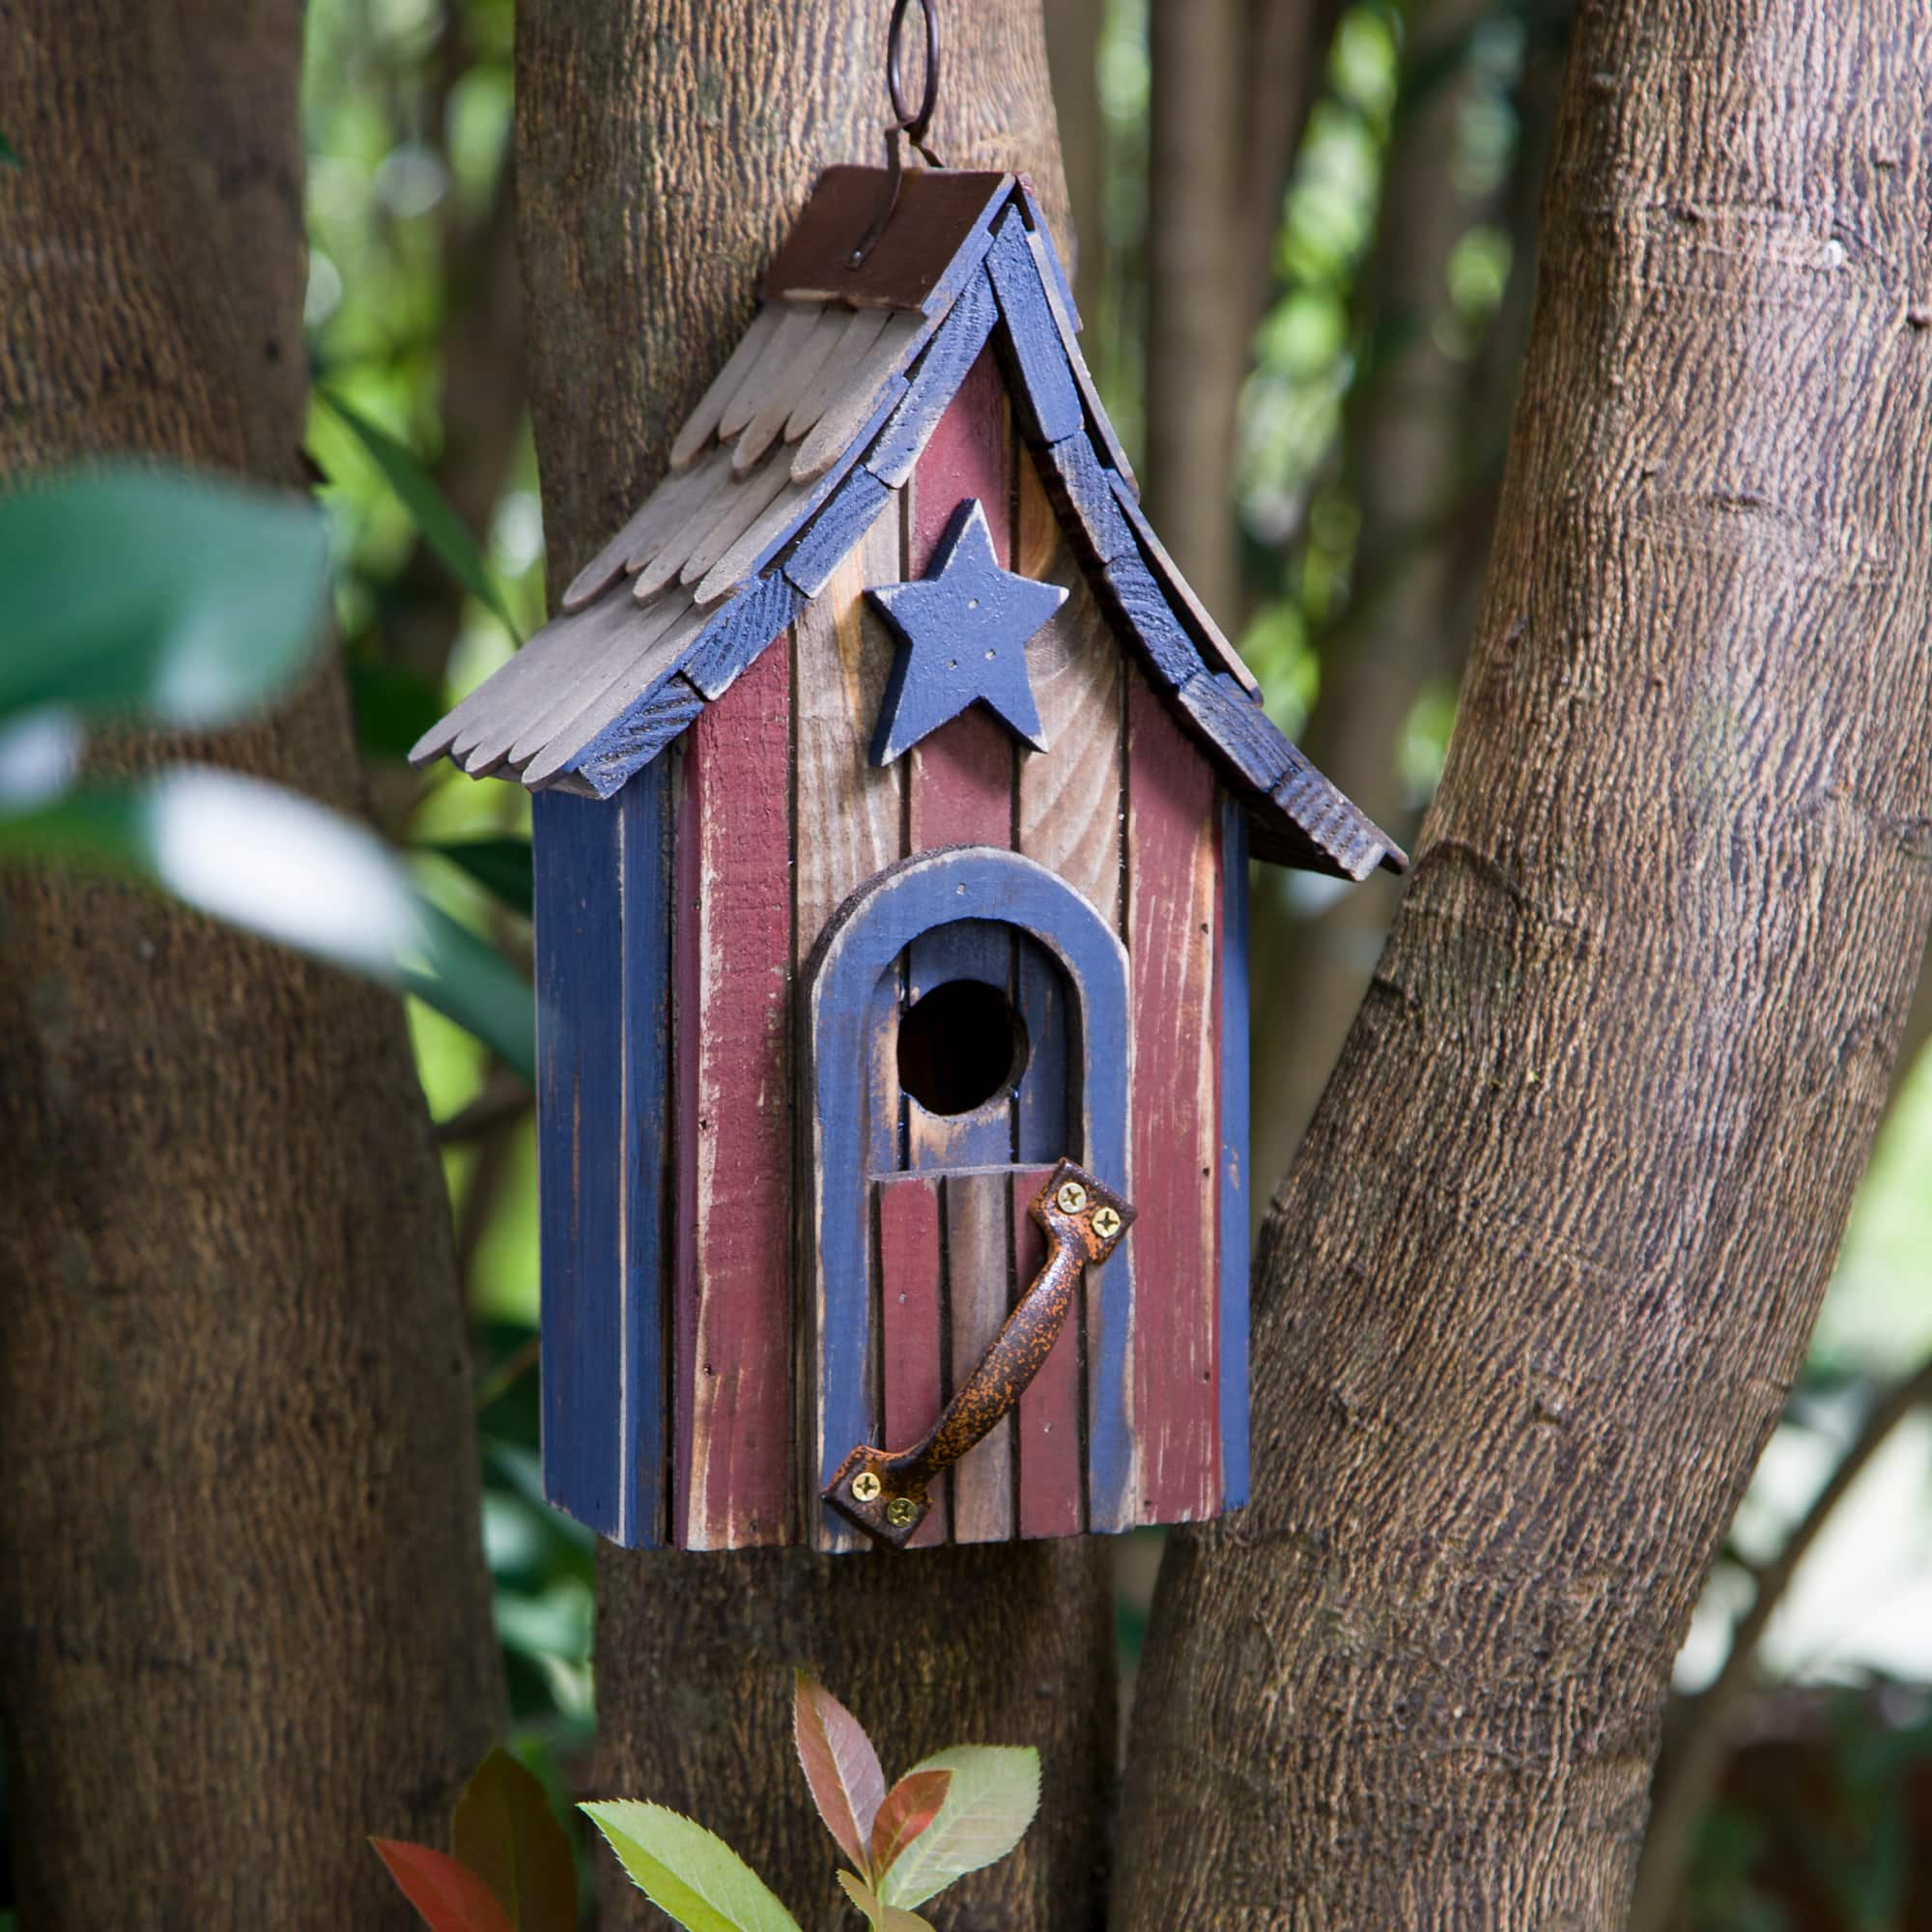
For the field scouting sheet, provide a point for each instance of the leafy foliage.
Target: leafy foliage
(447, 1894)
(699, 1881)
(692, 1874)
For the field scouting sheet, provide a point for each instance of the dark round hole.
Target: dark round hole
(959, 1045)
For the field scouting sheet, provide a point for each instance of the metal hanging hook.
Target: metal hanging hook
(907, 123)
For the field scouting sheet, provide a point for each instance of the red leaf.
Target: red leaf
(910, 1807)
(841, 1766)
(449, 1896)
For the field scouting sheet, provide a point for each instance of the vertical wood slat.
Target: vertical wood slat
(734, 947)
(978, 1299)
(961, 775)
(1173, 828)
(848, 815)
(1231, 963)
(579, 933)
(910, 1274)
(1050, 1447)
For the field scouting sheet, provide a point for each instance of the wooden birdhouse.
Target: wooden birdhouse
(893, 799)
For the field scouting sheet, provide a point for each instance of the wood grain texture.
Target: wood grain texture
(244, 1619)
(648, 217)
(912, 1316)
(978, 1296)
(1071, 806)
(1173, 901)
(847, 809)
(733, 1461)
(1048, 1435)
(1617, 1073)
(580, 985)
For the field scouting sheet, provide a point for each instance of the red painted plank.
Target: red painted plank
(962, 774)
(1174, 891)
(735, 1424)
(1049, 1435)
(911, 1317)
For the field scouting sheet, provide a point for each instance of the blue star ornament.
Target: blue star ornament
(963, 631)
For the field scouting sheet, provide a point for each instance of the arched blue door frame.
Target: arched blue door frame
(840, 1027)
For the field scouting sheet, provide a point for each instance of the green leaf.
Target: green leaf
(277, 863)
(882, 1918)
(156, 593)
(687, 1871)
(507, 1833)
(441, 527)
(502, 866)
(994, 1794)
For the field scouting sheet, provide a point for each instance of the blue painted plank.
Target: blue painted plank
(581, 1106)
(1128, 588)
(1236, 1180)
(955, 348)
(1244, 735)
(645, 805)
(860, 944)
(1046, 1115)
(1044, 250)
(608, 761)
(1082, 488)
(850, 513)
(1048, 397)
(729, 644)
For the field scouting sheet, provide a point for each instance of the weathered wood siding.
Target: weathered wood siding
(770, 816)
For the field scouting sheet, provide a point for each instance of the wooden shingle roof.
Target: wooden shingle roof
(803, 440)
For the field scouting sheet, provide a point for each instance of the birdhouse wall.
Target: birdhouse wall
(690, 1411)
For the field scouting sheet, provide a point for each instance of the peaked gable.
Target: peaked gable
(800, 444)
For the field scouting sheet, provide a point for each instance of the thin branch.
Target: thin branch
(1712, 1720)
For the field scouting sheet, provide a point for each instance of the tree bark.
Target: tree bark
(664, 147)
(243, 1614)
(1537, 1284)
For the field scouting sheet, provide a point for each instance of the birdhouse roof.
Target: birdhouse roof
(804, 439)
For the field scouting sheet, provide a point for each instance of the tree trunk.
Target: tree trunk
(243, 1615)
(663, 146)
(1547, 1265)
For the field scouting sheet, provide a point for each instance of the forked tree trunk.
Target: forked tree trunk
(1535, 1290)
(243, 1615)
(663, 146)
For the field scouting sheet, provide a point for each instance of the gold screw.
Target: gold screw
(1106, 1224)
(865, 1486)
(900, 1511)
(1072, 1197)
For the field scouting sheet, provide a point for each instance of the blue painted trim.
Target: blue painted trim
(580, 1105)
(608, 762)
(955, 348)
(647, 819)
(1053, 409)
(860, 947)
(739, 634)
(1236, 1180)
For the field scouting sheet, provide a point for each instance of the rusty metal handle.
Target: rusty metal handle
(884, 1492)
